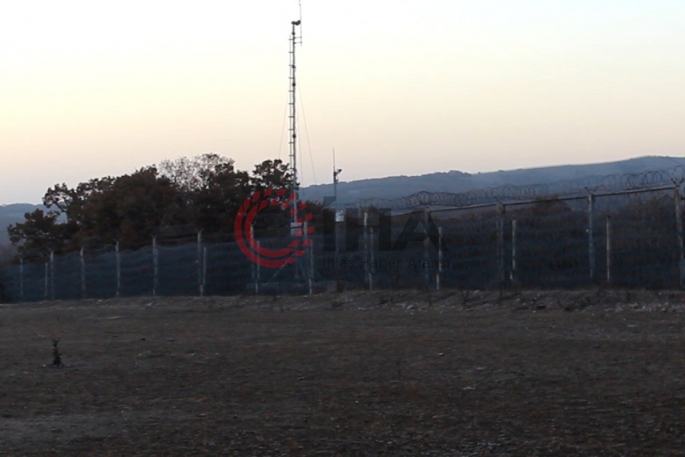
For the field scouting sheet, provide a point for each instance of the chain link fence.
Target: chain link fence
(631, 238)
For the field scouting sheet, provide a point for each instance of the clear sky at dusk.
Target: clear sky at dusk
(89, 89)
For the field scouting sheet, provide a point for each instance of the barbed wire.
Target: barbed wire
(510, 193)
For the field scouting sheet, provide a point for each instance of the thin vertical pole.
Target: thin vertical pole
(312, 262)
(501, 267)
(372, 259)
(513, 273)
(608, 250)
(52, 275)
(253, 279)
(336, 173)
(155, 267)
(366, 246)
(337, 252)
(46, 287)
(83, 272)
(117, 259)
(199, 262)
(204, 271)
(310, 257)
(21, 279)
(591, 235)
(259, 277)
(438, 277)
(426, 253)
(679, 228)
(255, 267)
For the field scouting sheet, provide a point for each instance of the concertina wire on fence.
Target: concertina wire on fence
(623, 231)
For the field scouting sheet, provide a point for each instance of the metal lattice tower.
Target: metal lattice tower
(295, 39)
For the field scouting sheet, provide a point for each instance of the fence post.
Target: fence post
(254, 268)
(52, 275)
(199, 262)
(590, 236)
(679, 228)
(253, 278)
(46, 285)
(365, 261)
(426, 253)
(372, 257)
(259, 278)
(83, 272)
(438, 276)
(309, 258)
(155, 267)
(253, 281)
(339, 217)
(117, 261)
(21, 278)
(609, 250)
(501, 266)
(204, 271)
(258, 268)
(512, 274)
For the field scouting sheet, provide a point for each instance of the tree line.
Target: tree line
(198, 193)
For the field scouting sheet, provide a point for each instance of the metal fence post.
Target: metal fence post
(117, 261)
(83, 272)
(366, 248)
(21, 278)
(155, 267)
(438, 276)
(254, 268)
(253, 277)
(501, 266)
(608, 250)
(204, 271)
(46, 285)
(310, 256)
(259, 277)
(512, 274)
(372, 258)
(339, 218)
(590, 236)
(199, 262)
(52, 275)
(679, 228)
(426, 253)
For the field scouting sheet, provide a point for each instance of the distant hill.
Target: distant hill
(11, 214)
(456, 181)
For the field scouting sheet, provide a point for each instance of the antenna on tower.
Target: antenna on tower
(336, 173)
(336, 179)
(300, 5)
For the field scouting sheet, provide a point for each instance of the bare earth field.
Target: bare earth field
(593, 373)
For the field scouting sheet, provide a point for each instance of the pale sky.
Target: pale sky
(94, 88)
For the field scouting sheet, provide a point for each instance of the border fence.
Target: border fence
(631, 237)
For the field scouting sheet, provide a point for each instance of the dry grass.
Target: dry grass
(538, 373)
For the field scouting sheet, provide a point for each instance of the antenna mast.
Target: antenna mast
(295, 39)
(336, 173)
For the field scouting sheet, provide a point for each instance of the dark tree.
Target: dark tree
(38, 235)
(203, 192)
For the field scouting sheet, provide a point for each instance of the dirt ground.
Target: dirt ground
(454, 373)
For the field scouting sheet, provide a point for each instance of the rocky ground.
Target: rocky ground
(414, 373)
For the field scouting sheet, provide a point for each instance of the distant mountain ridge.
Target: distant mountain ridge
(457, 182)
(11, 214)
